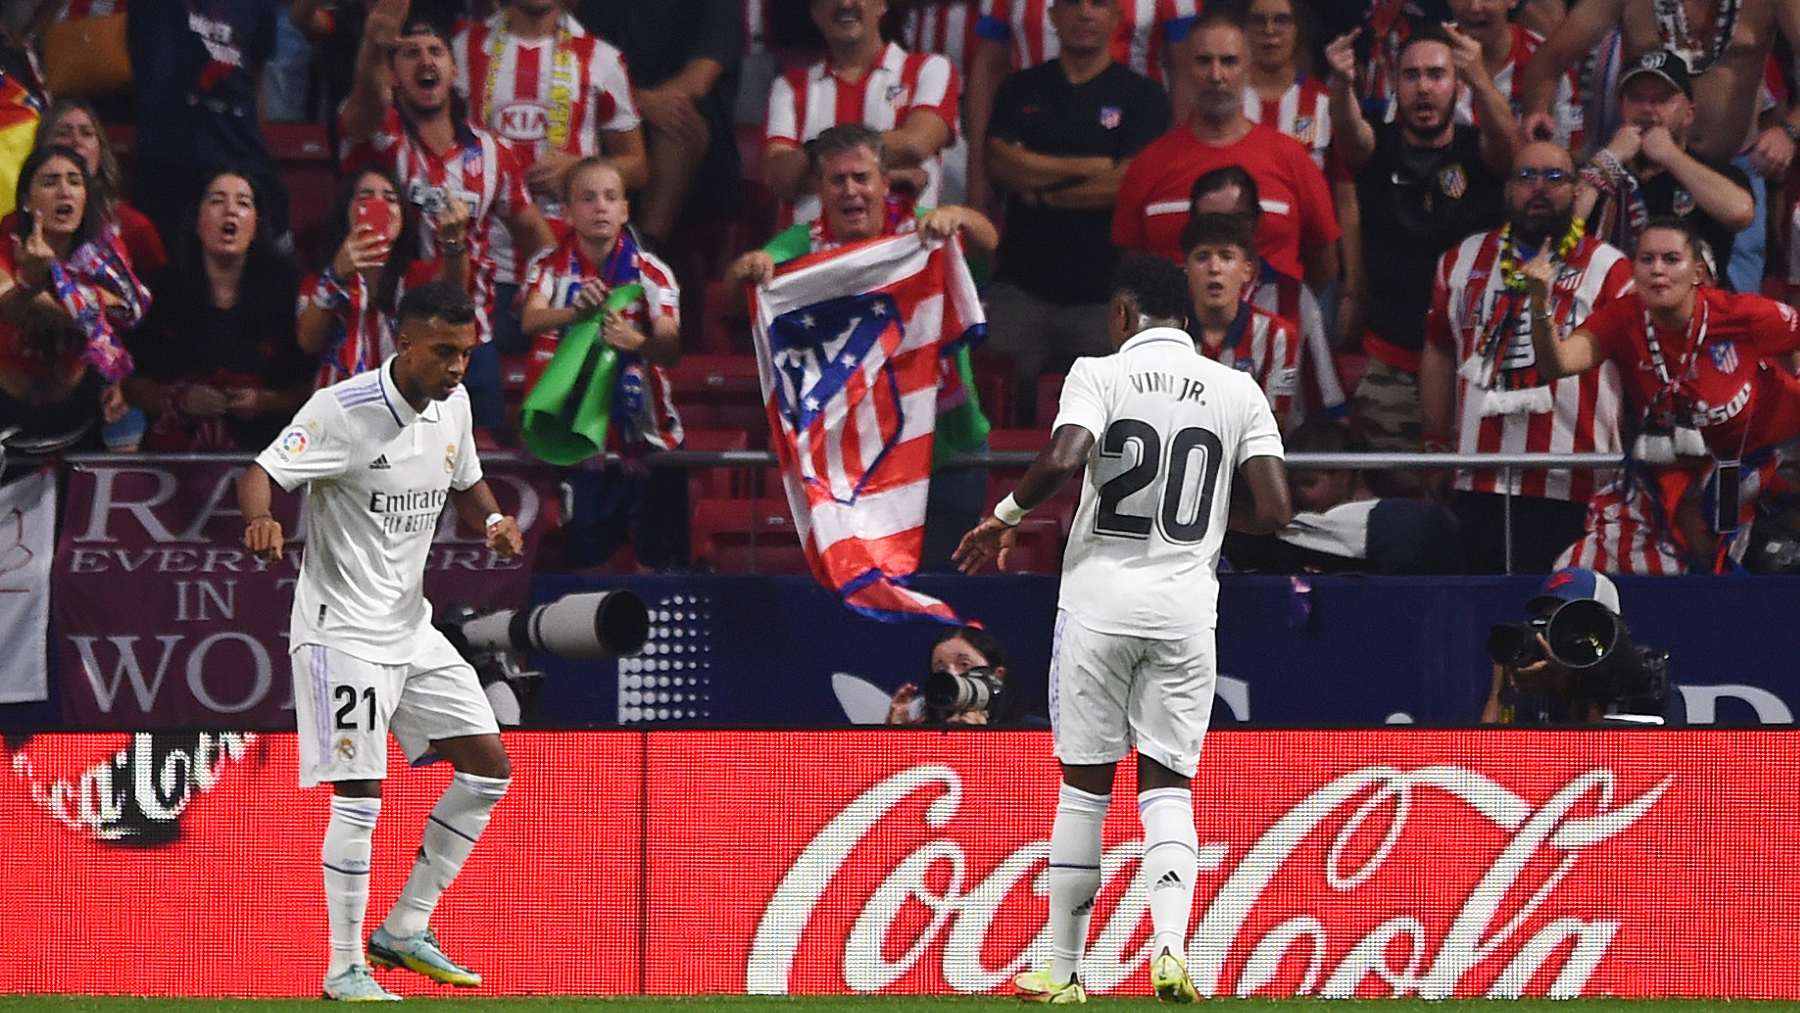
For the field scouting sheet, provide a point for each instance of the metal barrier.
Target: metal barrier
(1505, 464)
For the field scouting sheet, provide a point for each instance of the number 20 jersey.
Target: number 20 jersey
(1170, 429)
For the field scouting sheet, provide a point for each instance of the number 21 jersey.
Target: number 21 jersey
(1170, 429)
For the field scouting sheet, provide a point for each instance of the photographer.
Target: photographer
(966, 661)
(1573, 662)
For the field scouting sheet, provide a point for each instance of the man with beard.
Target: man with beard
(1299, 231)
(1479, 386)
(403, 116)
(1428, 181)
(1723, 42)
(1648, 170)
(1703, 376)
(910, 97)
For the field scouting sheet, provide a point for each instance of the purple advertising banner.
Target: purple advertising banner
(163, 619)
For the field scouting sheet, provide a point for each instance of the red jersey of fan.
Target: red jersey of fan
(1297, 212)
(1502, 404)
(805, 101)
(1715, 374)
(479, 170)
(1146, 28)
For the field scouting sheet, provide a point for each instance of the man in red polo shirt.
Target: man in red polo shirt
(1706, 373)
(1298, 232)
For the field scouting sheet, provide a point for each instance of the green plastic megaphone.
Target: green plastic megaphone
(565, 414)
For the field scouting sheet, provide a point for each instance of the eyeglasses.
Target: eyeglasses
(1550, 177)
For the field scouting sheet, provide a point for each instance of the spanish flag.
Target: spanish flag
(19, 110)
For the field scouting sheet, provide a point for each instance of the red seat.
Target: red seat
(1039, 546)
(994, 384)
(719, 481)
(746, 536)
(720, 392)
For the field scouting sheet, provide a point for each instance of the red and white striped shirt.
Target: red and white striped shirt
(1502, 406)
(1268, 348)
(539, 95)
(1566, 107)
(804, 102)
(947, 29)
(479, 171)
(557, 274)
(1146, 28)
(1303, 112)
(1288, 298)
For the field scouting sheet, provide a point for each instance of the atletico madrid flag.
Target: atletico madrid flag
(852, 345)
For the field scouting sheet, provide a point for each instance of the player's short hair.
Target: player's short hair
(841, 138)
(1154, 284)
(1673, 224)
(436, 300)
(1224, 178)
(985, 643)
(1214, 229)
(1422, 33)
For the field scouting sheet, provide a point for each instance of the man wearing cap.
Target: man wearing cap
(1647, 170)
(1543, 692)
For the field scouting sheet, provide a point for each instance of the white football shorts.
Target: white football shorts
(344, 707)
(1110, 692)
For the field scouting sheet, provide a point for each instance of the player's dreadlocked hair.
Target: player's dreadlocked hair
(1157, 287)
(436, 300)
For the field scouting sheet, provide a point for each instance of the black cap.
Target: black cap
(1664, 64)
(427, 23)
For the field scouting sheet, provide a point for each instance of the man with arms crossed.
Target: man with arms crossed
(380, 454)
(1163, 434)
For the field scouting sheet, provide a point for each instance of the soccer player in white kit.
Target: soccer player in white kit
(380, 454)
(1163, 433)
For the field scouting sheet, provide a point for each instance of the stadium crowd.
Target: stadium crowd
(1385, 210)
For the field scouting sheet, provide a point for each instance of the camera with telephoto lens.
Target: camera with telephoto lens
(1595, 645)
(948, 693)
(594, 624)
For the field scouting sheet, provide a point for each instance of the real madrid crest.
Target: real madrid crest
(1453, 181)
(450, 459)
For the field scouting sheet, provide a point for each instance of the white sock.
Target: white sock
(345, 857)
(456, 822)
(1170, 849)
(1074, 876)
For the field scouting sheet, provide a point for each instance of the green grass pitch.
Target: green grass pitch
(884, 1004)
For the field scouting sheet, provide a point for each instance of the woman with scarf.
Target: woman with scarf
(570, 283)
(72, 122)
(218, 367)
(66, 291)
(347, 310)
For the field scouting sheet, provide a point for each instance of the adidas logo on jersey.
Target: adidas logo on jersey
(380, 463)
(1170, 879)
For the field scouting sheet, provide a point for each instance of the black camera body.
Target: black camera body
(948, 693)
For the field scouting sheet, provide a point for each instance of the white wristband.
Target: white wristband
(492, 519)
(1008, 511)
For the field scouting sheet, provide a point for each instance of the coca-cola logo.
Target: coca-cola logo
(1353, 826)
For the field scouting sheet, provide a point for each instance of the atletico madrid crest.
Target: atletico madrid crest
(1724, 356)
(1453, 181)
(1111, 117)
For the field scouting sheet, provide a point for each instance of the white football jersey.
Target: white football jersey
(1170, 429)
(378, 475)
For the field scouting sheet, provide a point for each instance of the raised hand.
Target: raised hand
(1659, 146)
(382, 26)
(363, 250)
(1340, 56)
(1540, 270)
(33, 256)
(1465, 52)
(452, 223)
